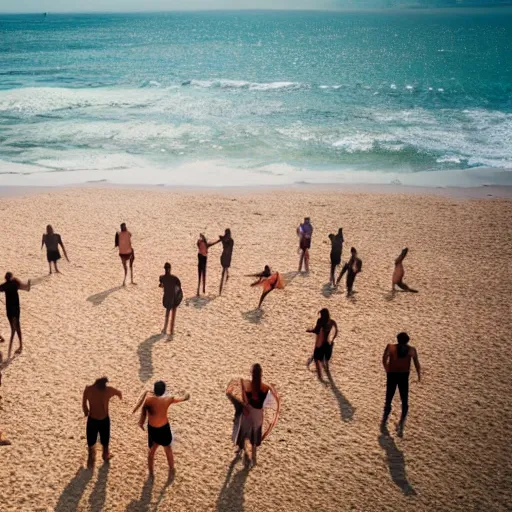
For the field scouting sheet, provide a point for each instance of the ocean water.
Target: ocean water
(246, 98)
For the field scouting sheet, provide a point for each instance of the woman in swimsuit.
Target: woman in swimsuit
(269, 281)
(202, 259)
(52, 241)
(126, 253)
(323, 346)
(254, 393)
(225, 258)
(172, 296)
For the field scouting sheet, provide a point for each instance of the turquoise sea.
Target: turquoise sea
(246, 98)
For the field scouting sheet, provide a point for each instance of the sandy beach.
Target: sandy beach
(326, 452)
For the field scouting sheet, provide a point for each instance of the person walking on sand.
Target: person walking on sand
(124, 242)
(155, 409)
(254, 394)
(12, 305)
(398, 273)
(52, 241)
(397, 363)
(323, 345)
(304, 232)
(353, 266)
(225, 258)
(269, 281)
(172, 298)
(336, 250)
(202, 260)
(95, 402)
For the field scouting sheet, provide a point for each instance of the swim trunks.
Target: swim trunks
(161, 436)
(95, 427)
(52, 255)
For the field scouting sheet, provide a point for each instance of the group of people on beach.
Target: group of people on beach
(249, 410)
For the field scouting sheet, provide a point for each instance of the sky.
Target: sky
(180, 5)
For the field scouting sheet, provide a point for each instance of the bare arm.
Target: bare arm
(143, 416)
(385, 358)
(213, 243)
(335, 330)
(400, 258)
(116, 392)
(61, 243)
(417, 364)
(23, 286)
(179, 400)
(84, 403)
(42, 243)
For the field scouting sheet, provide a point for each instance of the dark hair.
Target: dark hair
(403, 340)
(101, 383)
(340, 231)
(353, 250)
(227, 232)
(159, 388)
(8, 276)
(123, 226)
(49, 229)
(324, 315)
(167, 266)
(256, 379)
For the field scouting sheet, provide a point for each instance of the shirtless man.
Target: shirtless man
(172, 296)
(124, 242)
(155, 409)
(304, 232)
(398, 273)
(98, 421)
(397, 363)
(12, 305)
(353, 266)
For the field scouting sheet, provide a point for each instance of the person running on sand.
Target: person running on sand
(323, 346)
(202, 259)
(12, 306)
(52, 241)
(397, 363)
(155, 409)
(95, 406)
(353, 266)
(225, 259)
(172, 296)
(305, 232)
(398, 273)
(124, 242)
(269, 281)
(336, 250)
(254, 394)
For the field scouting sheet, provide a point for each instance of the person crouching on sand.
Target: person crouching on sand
(95, 402)
(323, 346)
(353, 266)
(155, 409)
(12, 305)
(202, 260)
(172, 298)
(397, 363)
(269, 281)
(399, 272)
(52, 241)
(124, 242)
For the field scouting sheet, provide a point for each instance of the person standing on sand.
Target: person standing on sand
(12, 305)
(269, 281)
(155, 409)
(172, 296)
(323, 346)
(52, 241)
(304, 232)
(399, 272)
(353, 266)
(95, 401)
(225, 258)
(202, 260)
(336, 250)
(397, 363)
(124, 242)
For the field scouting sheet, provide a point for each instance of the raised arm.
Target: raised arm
(417, 364)
(385, 358)
(24, 286)
(84, 402)
(400, 258)
(179, 400)
(210, 244)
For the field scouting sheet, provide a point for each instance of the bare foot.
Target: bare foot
(18, 351)
(5, 442)
(124, 283)
(107, 457)
(135, 284)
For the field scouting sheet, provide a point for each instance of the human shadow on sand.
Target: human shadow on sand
(346, 408)
(199, 302)
(254, 316)
(38, 280)
(98, 298)
(143, 503)
(328, 290)
(72, 494)
(231, 497)
(289, 277)
(145, 353)
(99, 492)
(396, 464)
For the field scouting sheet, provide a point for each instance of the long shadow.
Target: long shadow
(72, 494)
(145, 353)
(254, 316)
(231, 497)
(4, 363)
(99, 493)
(38, 280)
(98, 298)
(396, 464)
(289, 277)
(346, 408)
(143, 503)
(200, 302)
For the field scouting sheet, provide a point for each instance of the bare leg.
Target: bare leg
(332, 280)
(170, 457)
(106, 454)
(253, 454)
(222, 281)
(56, 269)
(131, 271)
(125, 271)
(167, 311)
(18, 331)
(199, 274)
(204, 281)
(173, 318)
(151, 460)
(405, 288)
(301, 260)
(306, 260)
(262, 298)
(91, 458)
(319, 371)
(50, 266)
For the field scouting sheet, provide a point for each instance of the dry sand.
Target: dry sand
(326, 452)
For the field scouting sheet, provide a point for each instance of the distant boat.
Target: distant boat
(45, 14)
